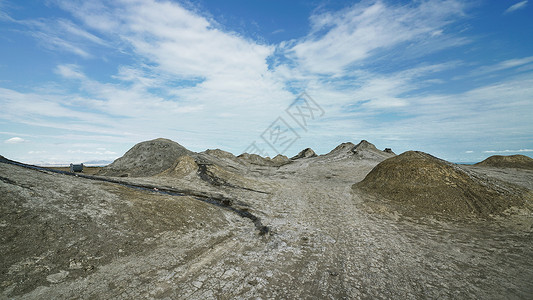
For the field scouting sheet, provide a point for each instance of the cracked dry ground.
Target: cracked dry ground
(104, 241)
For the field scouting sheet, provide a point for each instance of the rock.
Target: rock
(75, 265)
(57, 277)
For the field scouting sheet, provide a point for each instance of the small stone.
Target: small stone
(89, 268)
(75, 265)
(57, 277)
(253, 282)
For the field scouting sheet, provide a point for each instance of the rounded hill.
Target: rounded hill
(511, 161)
(419, 181)
(147, 159)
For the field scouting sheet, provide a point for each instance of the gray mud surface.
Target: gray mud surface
(66, 237)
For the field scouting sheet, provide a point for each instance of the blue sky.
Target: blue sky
(86, 80)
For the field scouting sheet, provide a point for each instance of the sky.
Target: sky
(84, 81)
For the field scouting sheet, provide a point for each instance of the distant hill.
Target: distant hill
(419, 181)
(511, 161)
(97, 163)
(255, 159)
(363, 150)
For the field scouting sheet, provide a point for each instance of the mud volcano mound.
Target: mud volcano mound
(363, 150)
(366, 150)
(255, 159)
(419, 181)
(306, 153)
(147, 159)
(512, 161)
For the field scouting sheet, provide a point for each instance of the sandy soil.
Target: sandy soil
(65, 237)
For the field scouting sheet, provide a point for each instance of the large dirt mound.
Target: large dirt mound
(147, 159)
(512, 161)
(431, 185)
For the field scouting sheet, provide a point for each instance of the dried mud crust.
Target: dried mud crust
(55, 224)
(326, 243)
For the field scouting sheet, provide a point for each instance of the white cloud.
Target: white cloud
(97, 152)
(508, 151)
(517, 6)
(36, 152)
(62, 35)
(469, 151)
(177, 40)
(15, 140)
(354, 34)
(70, 71)
(194, 65)
(503, 65)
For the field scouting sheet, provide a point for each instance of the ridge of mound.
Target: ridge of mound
(344, 148)
(508, 161)
(365, 145)
(255, 159)
(366, 150)
(147, 159)
(183, 166)
(363, 150)
(218, 176)
(431, 185)
(305, 153)
(219, 153)
(280, 159)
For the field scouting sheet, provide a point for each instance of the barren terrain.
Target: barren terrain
(190, 234)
